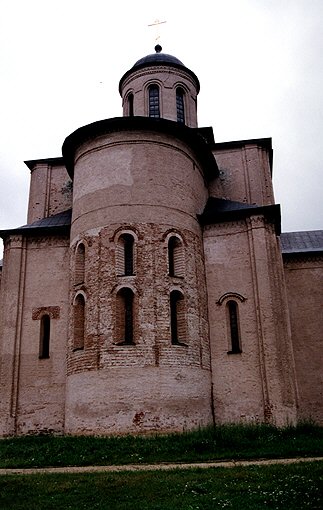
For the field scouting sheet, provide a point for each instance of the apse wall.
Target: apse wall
(150, 371)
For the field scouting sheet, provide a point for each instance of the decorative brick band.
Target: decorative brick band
(52, 311)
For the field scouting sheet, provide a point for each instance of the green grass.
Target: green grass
(221, 442)
(296, 486)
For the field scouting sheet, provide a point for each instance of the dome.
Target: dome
(159, 58)
(156, 59)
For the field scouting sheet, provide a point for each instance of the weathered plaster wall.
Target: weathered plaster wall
(32, 389)
(243, 263)
(304, 281)
(244, 175)
(138, 400)
(10, 327)
(136, 177)
(50, 190)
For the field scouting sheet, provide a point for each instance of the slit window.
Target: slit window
(79, 322)
(153, 93)
(175, 257)
(234, 327)
(79, 264)
(125, 302)
(125, 255)
(130, 105)
(44, 337)
(180, 105)
(177, 318)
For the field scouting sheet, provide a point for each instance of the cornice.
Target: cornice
(299, 257)
(138, 73)
(162, 66)
(194, 140)
(271, 213)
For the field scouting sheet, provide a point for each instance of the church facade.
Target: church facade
(151, 288)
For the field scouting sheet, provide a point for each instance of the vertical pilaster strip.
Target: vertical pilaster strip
(47, 195)
(262, 364)
(12, 303)
(18, 337)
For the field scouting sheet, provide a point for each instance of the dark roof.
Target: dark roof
(192, 137)
(308, 241)
(219, 210)
(48, 161)
(158, 59)
(58, 223)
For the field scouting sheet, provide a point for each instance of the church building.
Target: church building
(151, 288)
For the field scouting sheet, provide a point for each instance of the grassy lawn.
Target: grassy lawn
(296, 486)
(221, 442)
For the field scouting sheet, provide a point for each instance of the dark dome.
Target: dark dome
(159, 58)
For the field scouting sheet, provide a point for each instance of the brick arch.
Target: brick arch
(231, 295)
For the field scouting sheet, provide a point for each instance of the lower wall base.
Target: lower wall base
(138, 400)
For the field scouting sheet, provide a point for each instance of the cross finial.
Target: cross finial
(156, 24)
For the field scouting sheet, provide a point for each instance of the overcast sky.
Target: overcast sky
(259, 63)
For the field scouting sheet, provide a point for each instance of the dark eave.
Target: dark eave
(48, 161)
(218, 210)
(58, 224)
(191, 137)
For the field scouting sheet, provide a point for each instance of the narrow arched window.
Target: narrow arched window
(175, 257)
(154, 110)
(177, 318)
(44, 337)
(130, 105)
(232, 307)
(79, 264)
(125, 255)
(79, 322)
(180, 105)
(124, 333)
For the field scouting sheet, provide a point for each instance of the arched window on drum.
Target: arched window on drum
(180, 108)
(175, 256)
(153, 101)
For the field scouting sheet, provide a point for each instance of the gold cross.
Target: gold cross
(156, 24)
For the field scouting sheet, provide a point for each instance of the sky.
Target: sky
(259, 63)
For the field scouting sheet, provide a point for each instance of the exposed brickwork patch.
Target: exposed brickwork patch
(52, 311)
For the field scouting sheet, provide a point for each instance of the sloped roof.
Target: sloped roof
(160, 57)
(195, 139)
(219, 210)
(308, 241)
(58, 223)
